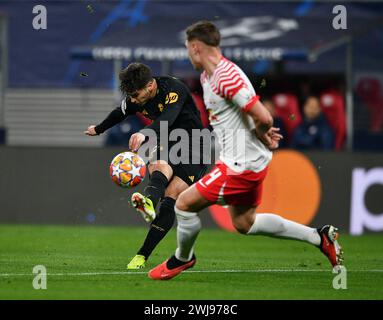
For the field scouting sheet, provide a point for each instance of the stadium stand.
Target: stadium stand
(43, 117)
(369, 90)
(287, 109)
(333, 107)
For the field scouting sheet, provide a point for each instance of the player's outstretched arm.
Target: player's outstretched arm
(114, 117)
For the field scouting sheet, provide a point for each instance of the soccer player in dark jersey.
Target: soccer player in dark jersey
(159, 99)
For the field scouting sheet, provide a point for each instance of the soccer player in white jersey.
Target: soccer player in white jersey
(238, 117)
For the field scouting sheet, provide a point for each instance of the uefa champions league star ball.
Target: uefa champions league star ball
(127, 169)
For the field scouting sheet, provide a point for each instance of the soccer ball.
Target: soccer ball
(127, 169)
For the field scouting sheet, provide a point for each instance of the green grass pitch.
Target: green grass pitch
(90, 263)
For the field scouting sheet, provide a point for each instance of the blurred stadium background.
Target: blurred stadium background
(54, 82)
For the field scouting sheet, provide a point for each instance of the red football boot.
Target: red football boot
(161, 272)
(329, 244)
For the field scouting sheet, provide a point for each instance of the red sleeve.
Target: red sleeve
(250, 103)
(227, 80)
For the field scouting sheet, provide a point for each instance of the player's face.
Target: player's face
(193, 54)
(142, 96)
(312, 108)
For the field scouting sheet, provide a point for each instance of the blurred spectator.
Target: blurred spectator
(314, 132)
(278, 122)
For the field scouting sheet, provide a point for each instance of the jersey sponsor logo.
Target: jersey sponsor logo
(172, 97)
(160, 107)
(191, 178)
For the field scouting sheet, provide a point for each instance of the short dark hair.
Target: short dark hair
(134, 77)
(204, 31)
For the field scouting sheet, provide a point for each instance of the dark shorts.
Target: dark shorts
(189, 169)
(190, 173)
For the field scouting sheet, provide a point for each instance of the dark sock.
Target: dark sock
(159, 227)
(173, 262)
(156, 187)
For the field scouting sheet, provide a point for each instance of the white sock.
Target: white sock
(276, 226)
(189, 225)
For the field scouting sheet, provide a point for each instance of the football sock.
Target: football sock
(156, 187)
(189, 225)
(278, 227)
(173, 262)
(159, 227)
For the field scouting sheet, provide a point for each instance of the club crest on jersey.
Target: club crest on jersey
(171, 97)
(160, 107)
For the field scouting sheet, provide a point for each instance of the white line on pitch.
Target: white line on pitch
(190, 271)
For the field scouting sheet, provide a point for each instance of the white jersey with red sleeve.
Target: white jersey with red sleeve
(228, 94)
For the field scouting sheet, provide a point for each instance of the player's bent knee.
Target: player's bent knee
(161, 166)
(181, 203)
(242, 225)
(184, 214)
(241, 229)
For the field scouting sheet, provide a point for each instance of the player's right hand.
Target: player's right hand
(270, 138)
(91, 131)
(136, 141)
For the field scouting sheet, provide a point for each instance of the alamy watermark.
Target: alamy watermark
(340, 280)
(198, 146)
(40, 280)
(40, 21)
(339, 22)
